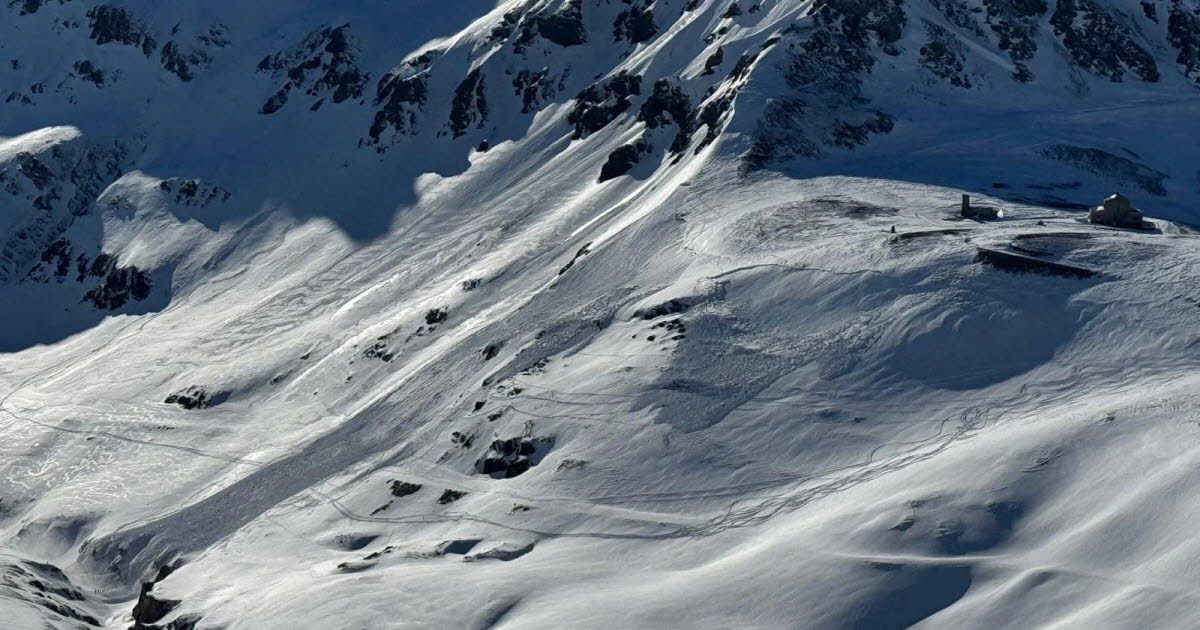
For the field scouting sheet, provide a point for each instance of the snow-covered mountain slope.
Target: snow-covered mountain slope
(596, 313)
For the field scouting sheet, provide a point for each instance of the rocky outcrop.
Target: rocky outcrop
(196, 397)
(563, 26)
(1015, 23)
(88, 71)
(1183, 33)
(149, 609)
(324, 65)
(512, 457)
(535, 88)
(944, 56)
(713, 61)
(185, 58)
(403, 488)
(634, 25)
(667, 105)
(450, 496)
(194, 193)
(29, 7)
(825, 70)
(469, 107)
(1100, 42)
(117, 285)
(45, 586)
(622, 160)
(113, 24)
(603, 102)
(959, 14)
(400, 95)
(55, 186)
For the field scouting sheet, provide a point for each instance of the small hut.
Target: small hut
(1117, 211)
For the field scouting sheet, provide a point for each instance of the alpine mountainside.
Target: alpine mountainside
(637, 313)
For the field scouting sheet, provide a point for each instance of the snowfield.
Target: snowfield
(263, 367)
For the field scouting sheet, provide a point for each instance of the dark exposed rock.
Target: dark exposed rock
(404, 488)
(89, 72)
(491, 350)
(1150, 11)
(62, 183)
(1100, 42)
(601, 103)
(34, 170)
(670, 307)
(150, 609)
(848, 135)
(195, 397)
(120, 284)
(943, 56)
(824, 72)
(506, 27)
(1183, 33)
(714, 61)
(535, 88)
(119, 25)
(863, 22)
(635, 25)
(381, 349)
(959, 14)
(192, 192)
(29, 7)
(565, 26)
(450, 496)
(1015, 23)
(621, 161)
(512, 457)
(583, 251)
(181, 63)
(324, 64)
(666, 105)
(183, 622)
(469, 106)
(436, 316)
(402, 93)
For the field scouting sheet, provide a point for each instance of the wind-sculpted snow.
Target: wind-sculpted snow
(589, 313)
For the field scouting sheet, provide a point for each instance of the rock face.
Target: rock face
(1183, 33)
(469, 107)
(119, 25)
(59, 184)
(565, 25)
(324, 65)
(150, 609)
(601, 103)
(1100, 42)
(400, 95)
(1015, 23)
(195, 397)
(513, 457)
(944, 56)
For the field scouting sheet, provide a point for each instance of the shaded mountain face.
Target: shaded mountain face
(877, 87)
(535, 284)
